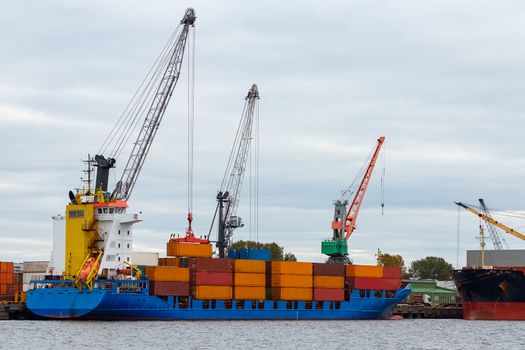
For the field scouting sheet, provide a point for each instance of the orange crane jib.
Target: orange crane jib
(353, 210)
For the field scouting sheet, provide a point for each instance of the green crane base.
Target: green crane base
(334, 248)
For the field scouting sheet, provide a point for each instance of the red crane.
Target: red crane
(344, 221)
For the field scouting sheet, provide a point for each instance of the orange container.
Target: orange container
(249, 293)
(3, 278)
(329, 282)
(188, 249)
(3, 289)
(168, 273)
(250, 279)
(169, 261)
(250, 266)
(297, 281)
(291, 268)
(213, 292)
(292, 293)
(364, 271)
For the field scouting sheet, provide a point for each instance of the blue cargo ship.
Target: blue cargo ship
(131, 300)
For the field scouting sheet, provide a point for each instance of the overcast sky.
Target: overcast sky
(443, 81)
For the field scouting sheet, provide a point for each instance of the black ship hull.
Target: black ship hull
(491, 293)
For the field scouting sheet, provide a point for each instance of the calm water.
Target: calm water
(404, 334)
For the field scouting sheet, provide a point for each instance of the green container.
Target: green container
(334, 248)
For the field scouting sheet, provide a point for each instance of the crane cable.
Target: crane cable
(191, 126)
(383, 164)
(351, 188)
(125, 126)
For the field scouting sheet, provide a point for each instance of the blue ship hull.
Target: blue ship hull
(135, 303)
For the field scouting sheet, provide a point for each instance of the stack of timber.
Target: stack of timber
(329, 282)
(169, 280)
(367, 277)
(211, 278)
(291, 280)
(249, 279)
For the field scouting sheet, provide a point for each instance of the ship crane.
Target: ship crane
(344, 222)
(230, 190)
(494, 235)
(492, 221)
(98, 230)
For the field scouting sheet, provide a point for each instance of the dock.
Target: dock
(427, 311)
(12, 311)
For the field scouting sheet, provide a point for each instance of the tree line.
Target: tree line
(431, 267)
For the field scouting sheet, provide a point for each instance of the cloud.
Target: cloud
(441, 80)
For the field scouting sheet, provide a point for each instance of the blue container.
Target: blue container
(250, 254)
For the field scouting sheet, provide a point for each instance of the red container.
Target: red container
(373, 283)
(212, 279)
(7, 298)
(329, 294)
(392, 272)
(329, 269)
(163, 288)
(210, 265)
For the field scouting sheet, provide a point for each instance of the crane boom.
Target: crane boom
(494, 236)
(344, 221)
(353, 211)
(492, 221)
(156, 111)
(230, 191)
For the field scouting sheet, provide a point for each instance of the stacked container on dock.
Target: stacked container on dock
(291, 280)
(7, 292)
(249, 279)
(368, 277)
(34, 270)
(329, 282)
(211, 278)
(169, 280)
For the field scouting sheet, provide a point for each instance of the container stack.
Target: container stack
(249, 279)
(211, 278)
(169, 280)
(7, 292)
(372, 277)
(291, 280)
(329, 282)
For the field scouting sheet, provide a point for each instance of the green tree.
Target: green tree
(431, 267)
(384, 259)
(277, 252)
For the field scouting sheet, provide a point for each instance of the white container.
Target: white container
(35, 266)
(145, 259)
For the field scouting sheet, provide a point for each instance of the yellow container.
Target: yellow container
(292, 293)
(213, 292)
(168, 273)
(250, 279)
(196, 250)
(297, 281)
(249, 293)
(364, 271)
(329, 282)
(291, 268)
(251, 266)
